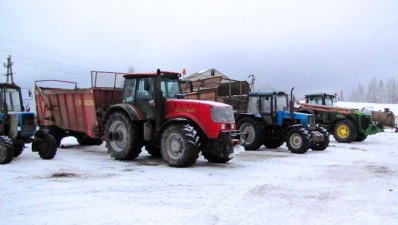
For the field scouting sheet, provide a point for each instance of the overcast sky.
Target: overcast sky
(314, 46)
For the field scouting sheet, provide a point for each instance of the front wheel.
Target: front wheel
(6, 150)
(220, 150)
(298, 140)
(180, 145)
(45, 144)
(320, 146)
(123, 138)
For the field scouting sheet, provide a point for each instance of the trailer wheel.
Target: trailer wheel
(360, 137)
(298, 140)
(18, 147)
(320, 146)
(123, 139)
(273, 143)
(45, 144)
(345, 131)
(254, 133)
(6, 150)
(180, 145)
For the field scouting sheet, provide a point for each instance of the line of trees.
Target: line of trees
(377, 91)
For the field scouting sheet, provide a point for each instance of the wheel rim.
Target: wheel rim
(174, 146)
(296, 141)
(343, 131)
(249, 129)
(119, 145)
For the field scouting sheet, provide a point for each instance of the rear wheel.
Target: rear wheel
(345, 131)
(123, 138)
(6, 150)
(180, 145)
(298, 140)
(254, 134)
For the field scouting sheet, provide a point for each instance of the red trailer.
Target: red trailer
(77, 111)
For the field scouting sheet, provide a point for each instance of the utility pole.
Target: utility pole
(252, 81)
(9, 70)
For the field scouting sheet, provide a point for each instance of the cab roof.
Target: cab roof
(270, 92)
(319, 94)
(152, 74)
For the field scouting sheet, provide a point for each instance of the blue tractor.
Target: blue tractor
(18, 127)
(270, 120)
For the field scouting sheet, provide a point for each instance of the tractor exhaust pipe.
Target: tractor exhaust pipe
(291, 105)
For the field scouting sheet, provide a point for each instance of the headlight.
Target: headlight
(222, 114)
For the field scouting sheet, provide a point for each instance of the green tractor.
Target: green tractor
(346, 125)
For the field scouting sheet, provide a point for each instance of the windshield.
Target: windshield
(281, 102)
(13, 98)
(170, 87)
(329, 101)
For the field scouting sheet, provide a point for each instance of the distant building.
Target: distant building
(205, 74)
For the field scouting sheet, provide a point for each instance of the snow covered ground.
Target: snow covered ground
(345, 184)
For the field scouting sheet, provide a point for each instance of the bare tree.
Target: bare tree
(371, 94)
(378, 91)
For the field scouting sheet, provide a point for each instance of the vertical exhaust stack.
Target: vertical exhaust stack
(159, 102)
(291, 104)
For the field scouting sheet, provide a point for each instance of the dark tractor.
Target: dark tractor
(346, 125)
(270, 120)
(17, 127)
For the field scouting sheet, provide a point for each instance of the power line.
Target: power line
(77, 60)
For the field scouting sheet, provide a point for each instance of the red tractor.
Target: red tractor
(154, 114)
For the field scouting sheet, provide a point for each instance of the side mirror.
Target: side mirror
(30, 93)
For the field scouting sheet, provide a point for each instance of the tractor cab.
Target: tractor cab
(139, 89)
(10, 95)
(267, 104)
(321, 99)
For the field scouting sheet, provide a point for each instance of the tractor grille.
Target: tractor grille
(28, 123)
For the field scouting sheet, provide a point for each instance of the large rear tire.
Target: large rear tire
(180, 145)
(6, 150)
(298, 140)
(124, 139)
(345, 131)
(254, 133)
